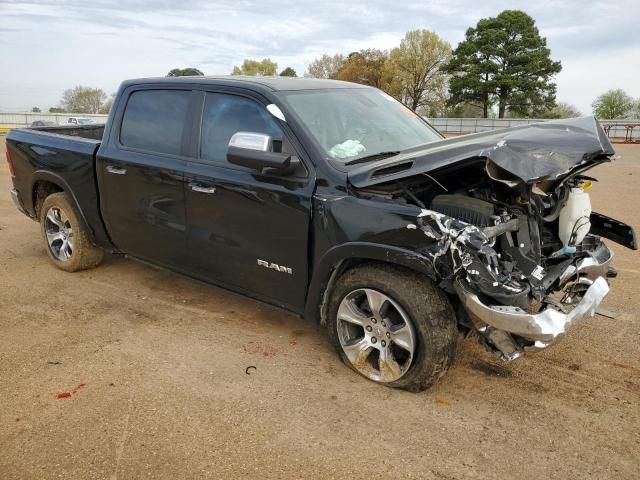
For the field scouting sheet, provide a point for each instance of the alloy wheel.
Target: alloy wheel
(376, 335)
(59, 234)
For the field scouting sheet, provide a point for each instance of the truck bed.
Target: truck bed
(92, 132)
(61, 158)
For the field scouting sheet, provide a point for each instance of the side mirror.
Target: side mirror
(254, 150)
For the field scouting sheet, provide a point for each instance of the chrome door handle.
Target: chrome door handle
(116, 170)
(201, 189)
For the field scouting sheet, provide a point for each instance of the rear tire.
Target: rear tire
(410, 343)
(66, 239)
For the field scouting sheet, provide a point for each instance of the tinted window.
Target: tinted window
(154, 120)
(225, 115)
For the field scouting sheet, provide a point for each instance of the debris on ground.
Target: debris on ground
(67, 394)
(607, 313)
(628, 367)
(79, 387)
(259, 347)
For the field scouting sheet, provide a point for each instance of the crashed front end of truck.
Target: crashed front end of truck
(508, 227)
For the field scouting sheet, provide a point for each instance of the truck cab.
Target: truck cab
(164, 175)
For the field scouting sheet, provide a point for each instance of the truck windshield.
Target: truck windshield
(356, 125)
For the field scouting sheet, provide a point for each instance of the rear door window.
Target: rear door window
(154, 120)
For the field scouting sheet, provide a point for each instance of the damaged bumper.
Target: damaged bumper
(510, 331)
(545, 326)
(598, 264)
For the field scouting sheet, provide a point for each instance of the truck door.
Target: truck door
(246, 230)
(141, 175)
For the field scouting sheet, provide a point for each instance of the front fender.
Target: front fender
(332, 261)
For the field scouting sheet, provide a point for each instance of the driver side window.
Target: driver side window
(224, 115)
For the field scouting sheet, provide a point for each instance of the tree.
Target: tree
(36, 110)
(635, 112)
(264, 67)
(464, 110)
(613, 104)
(562, 110)
(106, 107)
(83, 100)
(416, 66)
(288, 72)
(471, 71)
(56, 110)
(326, 66)
(367, 67)
(504, 60)
(184, 72)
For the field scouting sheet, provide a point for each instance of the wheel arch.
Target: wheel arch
(45, 183)
(343, 257)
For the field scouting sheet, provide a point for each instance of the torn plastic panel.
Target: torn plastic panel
(464, 250)
(614, 230)
(460, 248)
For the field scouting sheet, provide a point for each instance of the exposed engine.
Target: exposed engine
(536, 235)
(514, 245)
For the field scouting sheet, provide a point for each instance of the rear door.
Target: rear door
(247, 230)
(141, 175)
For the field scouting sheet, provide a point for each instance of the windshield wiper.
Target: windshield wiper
(374, 156)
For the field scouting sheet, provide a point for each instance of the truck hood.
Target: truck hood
(529, 153)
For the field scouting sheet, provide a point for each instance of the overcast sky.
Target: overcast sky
(49, 46)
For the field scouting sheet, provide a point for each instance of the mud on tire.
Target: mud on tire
(82, 254)
(434, 326)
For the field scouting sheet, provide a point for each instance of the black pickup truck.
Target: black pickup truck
(334, 201)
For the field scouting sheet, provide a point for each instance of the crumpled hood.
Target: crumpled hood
(531, 153)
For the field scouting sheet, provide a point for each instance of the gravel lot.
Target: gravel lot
(158, 364)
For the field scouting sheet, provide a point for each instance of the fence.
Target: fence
(615, 129)
(17, 120)
(473, 125)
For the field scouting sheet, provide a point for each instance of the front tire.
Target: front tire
(393, 326)
(67, 241)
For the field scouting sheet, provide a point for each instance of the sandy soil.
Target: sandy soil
(158, 364)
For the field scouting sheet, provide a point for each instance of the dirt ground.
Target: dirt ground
(155, 364)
